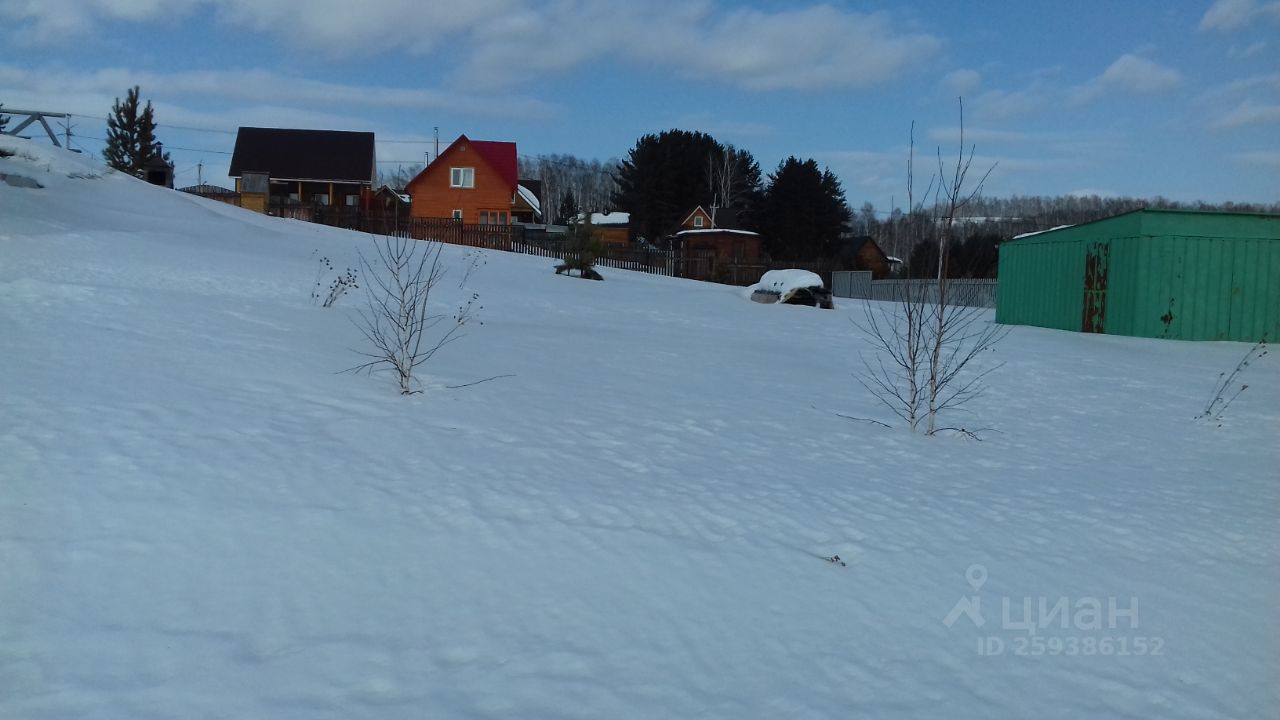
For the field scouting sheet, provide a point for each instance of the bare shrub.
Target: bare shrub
(399, 321)
(1222, 396)
(933, 347)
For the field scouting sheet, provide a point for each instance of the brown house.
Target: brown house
(699, 219)
(307, 167)
(473, 181)
(613, 229)
(737, 246)
(700, 235)
(861, 253)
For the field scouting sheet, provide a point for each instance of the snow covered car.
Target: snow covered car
(792, 287)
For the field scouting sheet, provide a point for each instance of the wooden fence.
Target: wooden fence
(547, 241)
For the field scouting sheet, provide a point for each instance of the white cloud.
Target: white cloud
(503, 43)
(1253, 100)
(1249, 113)
(1228, 15)
(1240, 53)
(807, 49)
(1260, 158)
(93, 92)
(962, 82)
(1129, 73)
(984, 136)
(722, 128)
(1002, 105)
(1246, 86)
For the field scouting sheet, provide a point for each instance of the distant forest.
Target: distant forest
(571, 185)
(988, 221)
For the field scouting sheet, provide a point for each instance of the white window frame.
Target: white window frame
(697, 221)
(457, 214)
(462, 177)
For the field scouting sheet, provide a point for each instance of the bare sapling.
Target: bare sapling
(933, 347)
(398, 321)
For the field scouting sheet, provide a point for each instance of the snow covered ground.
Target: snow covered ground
(200, 517)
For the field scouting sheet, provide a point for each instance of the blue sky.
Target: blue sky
(1180, 99)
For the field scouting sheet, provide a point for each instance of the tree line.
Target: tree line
(800, 209)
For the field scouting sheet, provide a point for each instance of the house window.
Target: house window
(352, 200)
(320, 199)
(462, 177)
(697, 221)
(493, 217)
(457, 214)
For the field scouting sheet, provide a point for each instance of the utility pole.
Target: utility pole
(200, 173)
(437, 135)
(66, 130)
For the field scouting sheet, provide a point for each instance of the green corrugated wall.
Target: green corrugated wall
(1169, 274)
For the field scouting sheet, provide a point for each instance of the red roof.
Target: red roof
(502, 157)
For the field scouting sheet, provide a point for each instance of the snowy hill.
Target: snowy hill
(200, 516)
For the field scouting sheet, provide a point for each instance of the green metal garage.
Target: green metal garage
(1178, 274)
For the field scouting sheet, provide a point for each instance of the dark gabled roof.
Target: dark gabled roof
(852, 245)
(328, 155)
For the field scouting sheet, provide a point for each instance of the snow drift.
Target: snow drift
(200, 516)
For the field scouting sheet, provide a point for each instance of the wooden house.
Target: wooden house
(719, 246)
(722, 244)
(614, 228)
(472, 181)
(307, 167)
(698, 219)
(861, 252)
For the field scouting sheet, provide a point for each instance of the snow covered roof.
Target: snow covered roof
(1037, 232)
(613, 218)
(529, 197)
(716, 230)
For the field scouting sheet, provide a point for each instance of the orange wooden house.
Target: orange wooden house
(473, 181)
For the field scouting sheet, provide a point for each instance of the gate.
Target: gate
(1096, 260)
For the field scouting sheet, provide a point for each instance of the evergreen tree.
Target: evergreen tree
(4, 119)
(667, 175)
(131, 135)
(803, 213)
(568, 209)
(581, 249)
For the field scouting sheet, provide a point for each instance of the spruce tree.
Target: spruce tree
(803, 212)
(568, 209)
(669, 174)
(131, 135)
